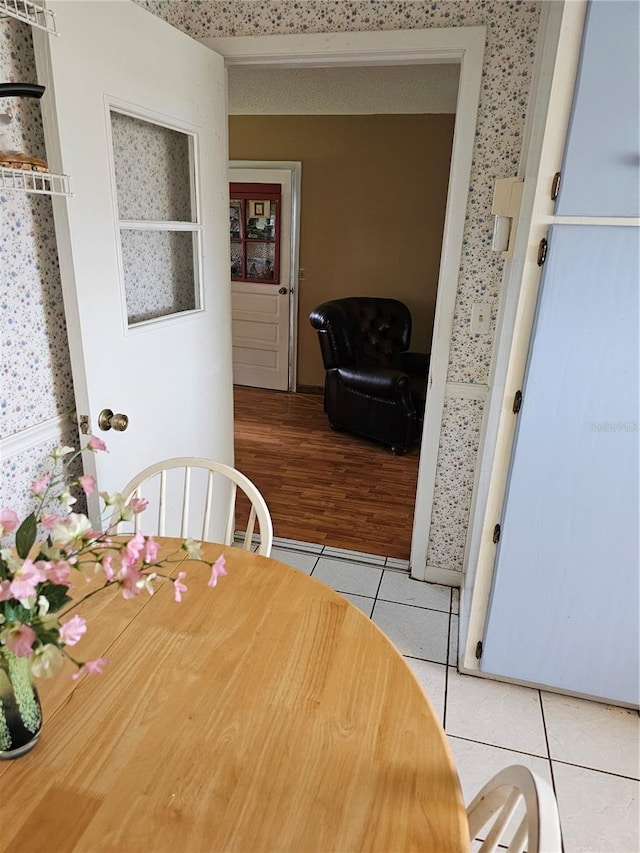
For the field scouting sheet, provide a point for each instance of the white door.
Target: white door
(135, 113)
(262, 313)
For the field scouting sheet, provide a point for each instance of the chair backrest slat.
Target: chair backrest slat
(206, 519)
(519, 840)
(162, 503)
(511, 800)
(231, 516)
(498, 800)
(137, 524)
(248, 536)
(184, 523)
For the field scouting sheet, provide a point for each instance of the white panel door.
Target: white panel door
(262, 312)
(146, 288)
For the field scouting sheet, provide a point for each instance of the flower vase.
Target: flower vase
(20, 710)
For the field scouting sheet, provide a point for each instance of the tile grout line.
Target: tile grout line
(595, 770)
(446, 673)
(546, 740)
(417, 606)
(497, 746)
(379, 585)
(553, 775)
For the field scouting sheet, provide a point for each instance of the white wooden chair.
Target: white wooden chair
(194, 497)
(538, 831)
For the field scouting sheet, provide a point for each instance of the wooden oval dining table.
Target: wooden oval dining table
(267, 714)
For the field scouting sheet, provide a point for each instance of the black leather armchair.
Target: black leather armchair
(373, 386)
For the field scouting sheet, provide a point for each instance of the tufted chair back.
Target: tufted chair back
(373, 386)
(362, 330)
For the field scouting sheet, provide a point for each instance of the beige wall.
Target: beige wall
(372, 213)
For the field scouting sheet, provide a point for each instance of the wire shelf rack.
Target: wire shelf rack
(25, 180)
(31, 13)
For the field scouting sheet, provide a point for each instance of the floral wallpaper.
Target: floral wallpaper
(158, 273)
(152, 170)
(40, 377)
(22, 469)
(35, 374)
(153, 183)
(457, 451)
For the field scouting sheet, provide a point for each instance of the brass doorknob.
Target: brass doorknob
(107, 420)
(282, 291)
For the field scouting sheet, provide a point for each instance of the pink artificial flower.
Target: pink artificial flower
(135, 546)
(179, 587)
(151, 549)
(98, 537)
(19, 640)
(88, 484)
(96, 443)
(9, 521)
(25, 581)
(5, 591)
(128, 578)
(57, 571)
(106, 567)
(137, 505)
(39, 486)
(72, 631)
(217, 571)
(93, 667)
(50, 521)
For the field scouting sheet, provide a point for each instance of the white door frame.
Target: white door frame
(559, 45)
(295, 169)
(463, 45)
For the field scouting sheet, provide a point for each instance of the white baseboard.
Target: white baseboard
(447, 577)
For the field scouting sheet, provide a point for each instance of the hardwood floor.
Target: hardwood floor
(323, 486)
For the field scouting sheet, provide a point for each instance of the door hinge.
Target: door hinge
(496, 534)
(542, 252)
(555, 186)
(479, 649)
(517, 402)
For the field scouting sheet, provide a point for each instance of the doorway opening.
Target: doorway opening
(373, 208)
(462, 46)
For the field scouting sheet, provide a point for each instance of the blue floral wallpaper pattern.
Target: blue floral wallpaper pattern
(153, 183)
(152, 170)
(34, 370)
(158, 273)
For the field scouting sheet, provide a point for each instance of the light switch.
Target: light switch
(480, 317)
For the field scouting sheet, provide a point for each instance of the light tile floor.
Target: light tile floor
(590, 752)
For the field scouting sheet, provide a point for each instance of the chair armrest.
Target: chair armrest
(383, 383)
(415, 362)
